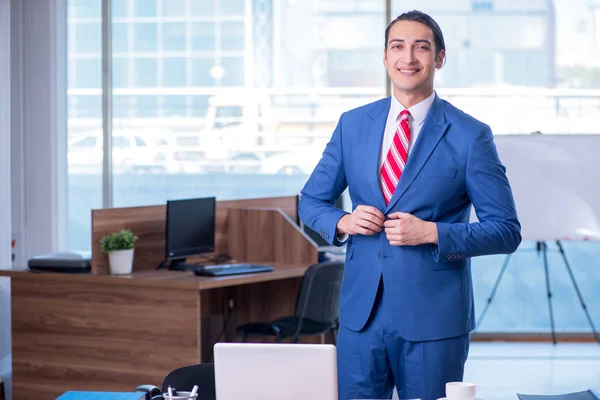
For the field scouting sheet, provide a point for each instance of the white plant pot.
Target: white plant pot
(120, 261)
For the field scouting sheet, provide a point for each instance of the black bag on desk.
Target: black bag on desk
(70, 262)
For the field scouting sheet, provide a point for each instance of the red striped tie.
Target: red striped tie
(394, 163)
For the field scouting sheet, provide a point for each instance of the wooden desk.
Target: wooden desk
(101, 332)
(84, 332)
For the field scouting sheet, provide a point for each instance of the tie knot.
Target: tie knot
(403, 115)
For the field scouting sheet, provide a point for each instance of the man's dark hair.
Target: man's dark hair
(426, 20)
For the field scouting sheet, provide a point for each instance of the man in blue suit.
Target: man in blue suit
(414, 165)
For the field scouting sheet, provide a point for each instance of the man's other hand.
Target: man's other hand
(364, 220)
(404, 229)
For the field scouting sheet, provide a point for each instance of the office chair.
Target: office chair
(185, 378)
(317, 308)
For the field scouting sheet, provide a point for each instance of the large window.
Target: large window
(211, 88)
(238, 98)
(222, 85)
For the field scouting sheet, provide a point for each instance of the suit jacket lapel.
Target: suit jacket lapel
(431, 132)
(373, 149)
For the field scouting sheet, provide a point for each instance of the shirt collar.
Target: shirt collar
(418, 111)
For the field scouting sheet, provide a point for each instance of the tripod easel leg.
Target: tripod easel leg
(544, 249)
(583, 305)
(493, 293)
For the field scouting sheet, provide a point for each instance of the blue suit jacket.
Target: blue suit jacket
(453, 165)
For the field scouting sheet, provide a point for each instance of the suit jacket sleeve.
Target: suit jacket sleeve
(324, 186)
(498, 230)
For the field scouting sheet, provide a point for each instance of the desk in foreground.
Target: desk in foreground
(90, 333)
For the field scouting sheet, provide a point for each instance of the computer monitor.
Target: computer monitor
(190, 229)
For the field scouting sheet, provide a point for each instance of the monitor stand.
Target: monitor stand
(180, 265)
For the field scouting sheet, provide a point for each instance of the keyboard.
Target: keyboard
(231, 269)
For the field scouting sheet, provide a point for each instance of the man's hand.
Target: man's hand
(404, 229)
(364, 220)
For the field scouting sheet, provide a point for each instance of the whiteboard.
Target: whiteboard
(556, 184)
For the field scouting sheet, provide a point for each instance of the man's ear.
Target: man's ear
(439, 61)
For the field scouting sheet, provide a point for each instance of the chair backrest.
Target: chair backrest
(185, 378)
(319, 295)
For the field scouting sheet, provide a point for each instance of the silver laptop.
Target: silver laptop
(267, 371)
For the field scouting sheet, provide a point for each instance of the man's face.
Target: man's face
(410, 58)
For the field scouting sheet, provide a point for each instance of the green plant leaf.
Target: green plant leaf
(121, 240)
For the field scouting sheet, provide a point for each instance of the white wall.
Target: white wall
(17, 140)
(33, 150)
(39, 124)
(5, 217)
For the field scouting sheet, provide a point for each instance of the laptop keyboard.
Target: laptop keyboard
(231, 269)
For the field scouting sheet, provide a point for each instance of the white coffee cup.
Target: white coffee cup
(460, 391)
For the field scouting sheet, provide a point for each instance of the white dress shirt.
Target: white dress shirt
(418, 112)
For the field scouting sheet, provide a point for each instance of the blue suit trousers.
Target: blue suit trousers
(375, 359)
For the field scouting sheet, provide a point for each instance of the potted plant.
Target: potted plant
(119, 247)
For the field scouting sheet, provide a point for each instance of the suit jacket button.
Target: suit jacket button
(448, 257)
